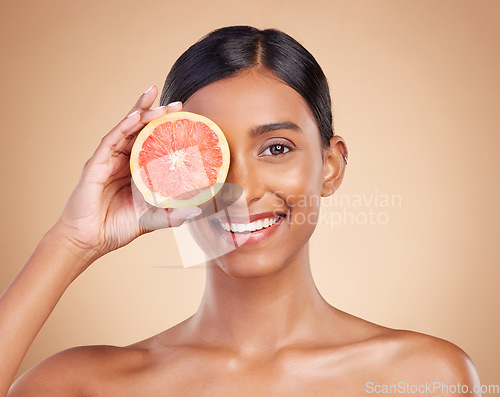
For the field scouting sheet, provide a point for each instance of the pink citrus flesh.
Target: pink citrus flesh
(179, 160)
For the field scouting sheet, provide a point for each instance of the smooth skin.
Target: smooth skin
(262, 328)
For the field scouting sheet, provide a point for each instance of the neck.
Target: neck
(258, 316)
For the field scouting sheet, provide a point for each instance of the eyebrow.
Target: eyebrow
(269, 127)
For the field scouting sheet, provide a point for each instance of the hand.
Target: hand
(106, 211)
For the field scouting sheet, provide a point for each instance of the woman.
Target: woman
(262, 328)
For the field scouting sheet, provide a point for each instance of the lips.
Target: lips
(241, 231)
(249, 227)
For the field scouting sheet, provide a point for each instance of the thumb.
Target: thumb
(152, 218)
(161, 218)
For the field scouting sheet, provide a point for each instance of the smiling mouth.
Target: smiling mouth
(248, 228)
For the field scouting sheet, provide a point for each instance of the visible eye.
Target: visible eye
(276, 149)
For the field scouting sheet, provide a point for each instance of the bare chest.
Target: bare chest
(219, 376)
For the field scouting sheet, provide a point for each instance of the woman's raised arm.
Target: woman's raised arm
(104, 212)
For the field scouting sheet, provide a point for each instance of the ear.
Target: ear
(334, 162)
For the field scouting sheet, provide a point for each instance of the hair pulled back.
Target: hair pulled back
(227, 50)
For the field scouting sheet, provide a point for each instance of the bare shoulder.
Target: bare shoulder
(405, 358)
(422, 361)
(78, 371)
(439, 357)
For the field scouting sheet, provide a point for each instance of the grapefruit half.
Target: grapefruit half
(179, 160)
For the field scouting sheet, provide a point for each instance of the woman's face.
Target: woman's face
(276, 162)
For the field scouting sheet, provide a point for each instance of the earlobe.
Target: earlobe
(334, 163)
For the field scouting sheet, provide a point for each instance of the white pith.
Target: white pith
(250, 227)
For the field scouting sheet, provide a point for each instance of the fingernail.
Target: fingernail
(172, 104)
(159, 107)
(133, 113)
(194, 214)
(149, 89)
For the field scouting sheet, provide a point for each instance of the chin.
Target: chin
(244, 268)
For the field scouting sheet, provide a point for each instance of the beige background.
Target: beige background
(415, 87)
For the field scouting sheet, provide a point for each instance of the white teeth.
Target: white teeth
(249, 227)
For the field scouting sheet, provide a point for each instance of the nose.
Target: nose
(243, 182)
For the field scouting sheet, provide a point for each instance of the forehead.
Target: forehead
(249, 99)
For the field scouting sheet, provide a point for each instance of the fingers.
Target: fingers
(146, 100)
(120, 139)
(111, 144)
(149, 115)
(146, 117)
(117, 138)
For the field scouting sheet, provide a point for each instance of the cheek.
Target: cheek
(298, 186)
